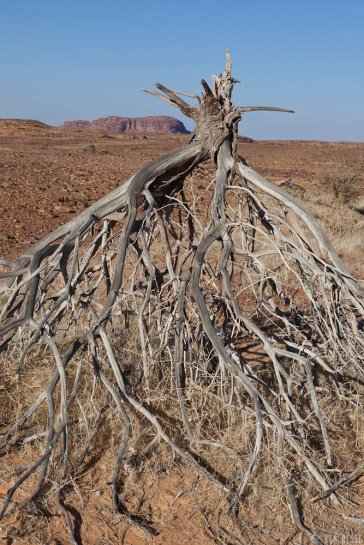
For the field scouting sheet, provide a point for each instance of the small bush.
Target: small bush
(91, 148)
(344, 182)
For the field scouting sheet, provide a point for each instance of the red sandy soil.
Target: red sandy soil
(48, 175)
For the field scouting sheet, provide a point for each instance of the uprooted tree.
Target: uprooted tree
(233, 292)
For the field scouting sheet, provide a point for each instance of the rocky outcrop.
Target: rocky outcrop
(159, 124)
(78, 124)
(245, 139)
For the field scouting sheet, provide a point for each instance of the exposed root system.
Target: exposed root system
(235, 301)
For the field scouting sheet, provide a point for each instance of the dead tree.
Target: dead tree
(197, 278)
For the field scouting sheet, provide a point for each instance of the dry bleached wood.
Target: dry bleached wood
(194, 291)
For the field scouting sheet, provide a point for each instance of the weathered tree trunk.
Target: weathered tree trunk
(195, 291)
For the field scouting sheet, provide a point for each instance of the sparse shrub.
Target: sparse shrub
(343, 183)
(91, 148)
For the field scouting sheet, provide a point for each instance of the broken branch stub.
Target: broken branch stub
(157, 295)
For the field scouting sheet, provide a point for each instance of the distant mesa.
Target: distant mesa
(114, 123)
(150, 124)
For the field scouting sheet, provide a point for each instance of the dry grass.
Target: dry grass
(338, 205)
(157, 486)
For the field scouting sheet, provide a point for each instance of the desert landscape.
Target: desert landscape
(48, 175)
(181, 273)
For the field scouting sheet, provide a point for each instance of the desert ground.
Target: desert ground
(49, 175)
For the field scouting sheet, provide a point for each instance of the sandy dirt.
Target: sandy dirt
(49, 175)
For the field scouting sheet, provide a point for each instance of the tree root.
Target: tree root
(197, 284)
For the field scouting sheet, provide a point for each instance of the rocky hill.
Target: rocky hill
(16, 127)
(160, 124)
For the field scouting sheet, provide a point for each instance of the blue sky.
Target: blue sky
(83, 59)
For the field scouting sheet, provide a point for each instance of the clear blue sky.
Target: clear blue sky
(83, 59)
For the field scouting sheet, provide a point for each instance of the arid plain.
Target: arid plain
(47, 175)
